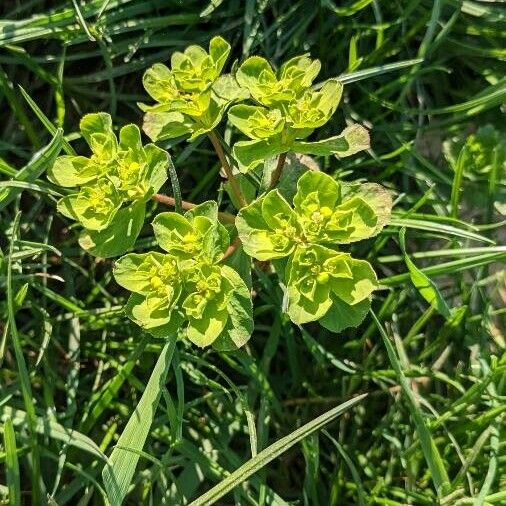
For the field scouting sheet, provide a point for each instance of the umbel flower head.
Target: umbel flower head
(188, 286)
(111, 186)
(192, 95)
(318, 277)
(286, 111)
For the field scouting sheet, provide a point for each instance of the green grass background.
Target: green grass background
(72, 368)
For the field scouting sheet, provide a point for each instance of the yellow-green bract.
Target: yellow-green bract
(322, 283)
(286, 111)
(111, 186)
(192, 95)
(188, 286)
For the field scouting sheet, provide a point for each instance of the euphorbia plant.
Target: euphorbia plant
(287, 111)
(322, 282)
(110, 188)
(188, 285)
(192, 95)
(192, 285)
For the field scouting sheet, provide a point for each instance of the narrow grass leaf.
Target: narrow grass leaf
(439, 228)
(448, 267)
(427, 289)
(271, 452)
(118, 474)
(50, 127)
(176, 189)
(11, 463)
(25, 177)
(462, 160)
(24, 378)
(53, 430)
(429, 448)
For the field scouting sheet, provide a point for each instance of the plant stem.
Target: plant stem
(235, 243)
(236, 189)
(171, 201)
(276, 175)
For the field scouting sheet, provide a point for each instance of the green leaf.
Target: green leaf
(353, 220)
(425, 286)
(376, 196)
(431, 453)
(300, 72)
(95, 123)
(352, 140)
(277, 212)
(256, 122)
(160, 126)
(227, 89)
(326, 188)
(133, 271)
(251, 154)
(209, 117)
(341, 315)
(174, 232)
(239, 327)
(309, 281)
(437, 228)
(119, 236)
(161, 322)
(259, 237)
(50, 127)
(360, 286)
(192, 236)
(324, 222)
(203, 331)
(159, 82)
(49, 428)
(34, 168)
(294, 77)
(253, 465)
(219, 49)
(118, 474)
(216, 239)
(12, 476)
(207, 209)
(94, 206)
(314, 108)
(302, 309)
(256, 75)
(195, 70)
(70, 171)
(158, 162)
(130, 138)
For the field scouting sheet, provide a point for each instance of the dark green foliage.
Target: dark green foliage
(423, 76)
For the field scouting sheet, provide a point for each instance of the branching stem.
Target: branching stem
(170, 201)
(236, 189)
(276, 175)
(233, 246)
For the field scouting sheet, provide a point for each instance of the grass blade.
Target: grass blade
(271, 452)
(53, 430)
(429, 448)
(52, 129)
(438, 228)
(26, 176)
(428, 290)
(118, 474)
(11, 464)
(448, 267)
(24, 378)
(462, 160)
